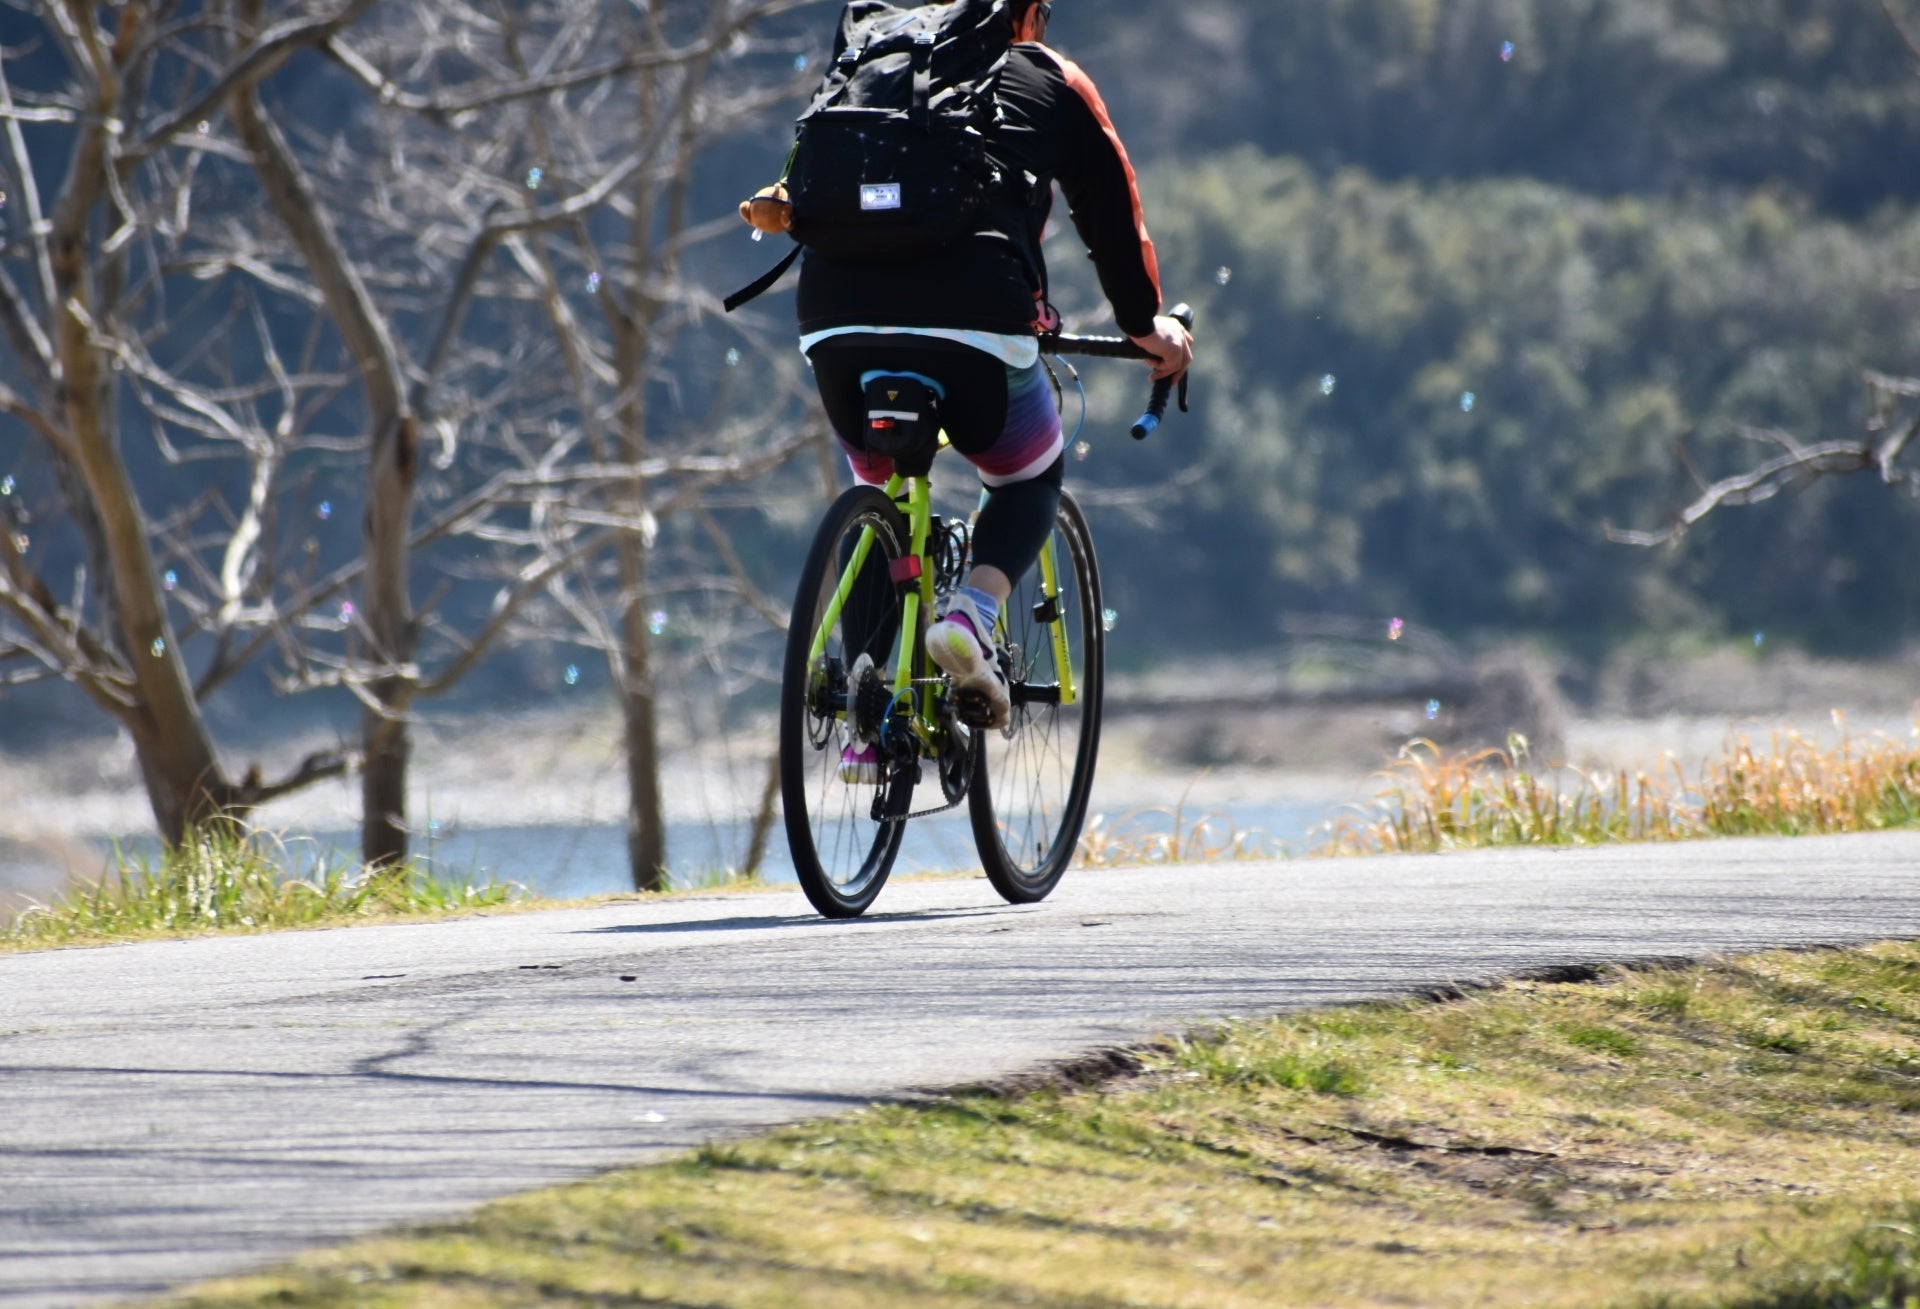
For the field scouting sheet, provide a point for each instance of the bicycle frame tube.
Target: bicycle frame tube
(1062, 651)
(845, 590)
(920, 526)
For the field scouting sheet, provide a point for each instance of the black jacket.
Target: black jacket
(1054, 128)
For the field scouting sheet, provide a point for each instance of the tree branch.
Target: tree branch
(772, 614)
(1913, 50)
(268, 52)
(1756, 487)
(1798, 464)
(531, 584)
(389, 93)
(318, 767)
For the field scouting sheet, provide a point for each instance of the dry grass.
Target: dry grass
(1168, 836)
(1176, 834)
(1740, 1134)
(1796, 786)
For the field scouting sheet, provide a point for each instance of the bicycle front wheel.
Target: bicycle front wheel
(844, 832)
(1032, 782)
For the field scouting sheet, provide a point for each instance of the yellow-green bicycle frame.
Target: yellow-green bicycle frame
(919, 507)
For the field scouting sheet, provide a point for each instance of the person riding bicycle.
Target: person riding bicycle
(967, 322)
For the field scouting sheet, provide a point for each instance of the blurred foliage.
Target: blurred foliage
(1606, 96)
(1427, 399)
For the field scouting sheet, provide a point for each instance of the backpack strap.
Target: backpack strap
(922, 79)
(760, 286)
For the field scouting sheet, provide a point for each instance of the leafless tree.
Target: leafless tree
(118, 317)
(550, 116)
(634, 327)
(267, 295)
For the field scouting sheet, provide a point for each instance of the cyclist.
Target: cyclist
(967, 322)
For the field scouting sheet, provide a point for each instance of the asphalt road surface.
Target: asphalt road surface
(174, 1111)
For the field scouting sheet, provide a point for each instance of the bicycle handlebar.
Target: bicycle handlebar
(1119, 347)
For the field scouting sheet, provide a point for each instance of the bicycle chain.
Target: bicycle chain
(945, 808)
(927, 813)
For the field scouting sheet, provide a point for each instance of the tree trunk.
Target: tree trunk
(386, 607)
(175, 750)
(646, 817)
(181, 777)
(386, 732)
(646, 813)
(387, 746)
(763, 820)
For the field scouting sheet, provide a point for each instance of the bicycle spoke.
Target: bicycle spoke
(842, 852)
(1030, 799)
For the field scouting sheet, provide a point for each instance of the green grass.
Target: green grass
(1877, 1267)
(1648, 1139)
(219, 882)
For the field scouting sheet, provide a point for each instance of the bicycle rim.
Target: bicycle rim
(842, 843)
(1032, 782)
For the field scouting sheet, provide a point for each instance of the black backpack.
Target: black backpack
(891, 159)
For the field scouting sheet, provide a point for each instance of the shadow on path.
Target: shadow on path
(769, 922)
(26, 1071)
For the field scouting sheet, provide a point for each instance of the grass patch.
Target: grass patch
(1176, 834)
(1877, 1267)
(1158, 836)
(227, 882)
(1796, 787)
(1631, 1141)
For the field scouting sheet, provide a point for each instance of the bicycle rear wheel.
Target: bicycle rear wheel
(1032, 782)
(844, 835)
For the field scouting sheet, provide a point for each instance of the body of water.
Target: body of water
(566, 863)
(578, 862)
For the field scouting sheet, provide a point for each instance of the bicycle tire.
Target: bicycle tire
(1032, 783)
(843, 837)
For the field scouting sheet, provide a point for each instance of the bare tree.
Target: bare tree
(116, 316)
(1889, 434)
(624, 374)
(397, 308)
(506, 136)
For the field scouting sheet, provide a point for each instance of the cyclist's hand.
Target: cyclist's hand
(1171, 346)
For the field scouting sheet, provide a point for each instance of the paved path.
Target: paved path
(173, 1111)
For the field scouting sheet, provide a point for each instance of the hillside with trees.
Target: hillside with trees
(1469, 272)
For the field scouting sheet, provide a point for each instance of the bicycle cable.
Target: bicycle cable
(1060, 395)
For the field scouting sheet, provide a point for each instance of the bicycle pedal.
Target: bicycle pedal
(973, 709)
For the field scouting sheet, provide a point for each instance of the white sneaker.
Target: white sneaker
(959, 642)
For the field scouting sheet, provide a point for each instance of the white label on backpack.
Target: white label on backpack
(884, 196)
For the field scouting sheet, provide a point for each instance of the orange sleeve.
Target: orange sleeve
(1103, 193)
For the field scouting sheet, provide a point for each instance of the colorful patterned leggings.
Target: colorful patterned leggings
(1003, 420)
